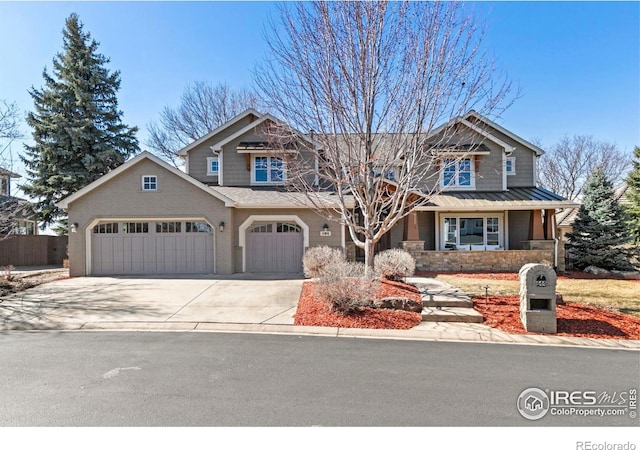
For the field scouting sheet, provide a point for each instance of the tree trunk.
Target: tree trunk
(369, 248)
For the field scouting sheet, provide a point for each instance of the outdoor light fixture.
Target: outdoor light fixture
(221, 227)
(74, 227)
(325, 227)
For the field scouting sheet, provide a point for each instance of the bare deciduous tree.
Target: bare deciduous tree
(565, 168)
(203, 107)
(371, 82)
(10, 208)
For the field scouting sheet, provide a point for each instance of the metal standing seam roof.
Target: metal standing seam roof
(519, 198)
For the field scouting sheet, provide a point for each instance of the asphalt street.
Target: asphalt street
(217, 379)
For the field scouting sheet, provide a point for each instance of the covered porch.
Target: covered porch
(484, 231)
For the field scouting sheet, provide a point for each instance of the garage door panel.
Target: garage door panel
(120, 253)
(274, 247)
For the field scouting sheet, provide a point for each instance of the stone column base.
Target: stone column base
(412, 246)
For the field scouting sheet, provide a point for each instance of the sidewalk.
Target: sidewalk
(173, 304)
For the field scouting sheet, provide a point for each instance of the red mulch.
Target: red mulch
(313, 311)
(574, 319)
(511, 276)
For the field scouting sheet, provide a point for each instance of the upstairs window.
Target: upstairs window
(458, 173)
(213, 165)
(268, 170)
(149, 183)
(510, 165)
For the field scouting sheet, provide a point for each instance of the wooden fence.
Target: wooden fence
(32, 250)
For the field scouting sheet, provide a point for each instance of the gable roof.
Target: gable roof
(9, 173)
(218, 145)
(537, 150)
(145, 155)
(227, 124)
(567, 216)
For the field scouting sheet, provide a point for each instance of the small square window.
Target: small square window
(149, 183)
(213, 165)
(510, 165)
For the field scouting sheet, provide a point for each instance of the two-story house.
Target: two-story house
(228, 212)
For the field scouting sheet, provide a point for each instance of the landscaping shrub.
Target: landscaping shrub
(346, 288)
(394, 264)
(316, 259)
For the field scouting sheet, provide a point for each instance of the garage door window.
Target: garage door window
(106, 228)
(266, 228)
(288, 228)
(198, 227)
(135, 227)
(168, 227)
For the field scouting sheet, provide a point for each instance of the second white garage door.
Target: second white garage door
(154, 247)
(274, 247)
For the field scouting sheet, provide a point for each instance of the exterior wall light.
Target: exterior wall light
(325, 227)
(221, 227)
(74, 227)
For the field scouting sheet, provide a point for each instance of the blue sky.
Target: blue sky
(577, 63)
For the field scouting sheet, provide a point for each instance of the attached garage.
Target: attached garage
(152, 247)
(274, 247)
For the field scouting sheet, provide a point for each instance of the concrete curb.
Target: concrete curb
(465, 336)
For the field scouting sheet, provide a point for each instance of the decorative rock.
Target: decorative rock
(596, 270)
(627, 275)
(400, 303)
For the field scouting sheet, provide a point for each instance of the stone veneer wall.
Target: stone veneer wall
(467, 261)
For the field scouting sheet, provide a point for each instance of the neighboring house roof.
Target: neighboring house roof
(513, 199)
(9, 173)
(567, 216)
(64, 203)
(272, 197)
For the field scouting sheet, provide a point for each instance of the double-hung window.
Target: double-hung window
(268, 170)
(458, 173)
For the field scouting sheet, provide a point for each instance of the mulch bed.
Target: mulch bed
(313, 311)
(574, 319)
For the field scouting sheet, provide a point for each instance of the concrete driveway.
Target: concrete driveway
(71, 303)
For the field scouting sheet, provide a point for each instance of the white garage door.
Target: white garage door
(274, 247)
(155, 247)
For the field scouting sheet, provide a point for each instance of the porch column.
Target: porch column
(549, 223)
(410, 232)
(536, 229)
(410, 235)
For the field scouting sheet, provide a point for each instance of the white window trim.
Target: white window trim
(511, 159)
(268, 182)
(501, 229)
(472, 186)
(210, 159)
(142, 183)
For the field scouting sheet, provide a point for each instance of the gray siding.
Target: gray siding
(518, 228)
(198, 155)
(427, 229)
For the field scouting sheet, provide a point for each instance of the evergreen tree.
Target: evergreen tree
(77, 127)
(600, 229)
(633, 195)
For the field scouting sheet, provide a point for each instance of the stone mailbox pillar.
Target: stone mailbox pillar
(538, 298)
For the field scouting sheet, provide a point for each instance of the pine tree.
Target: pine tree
(633, 195)
(77, 127)
(600, 229)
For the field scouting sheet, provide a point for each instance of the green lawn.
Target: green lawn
(617, 295)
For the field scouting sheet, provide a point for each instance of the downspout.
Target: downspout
(555, 245)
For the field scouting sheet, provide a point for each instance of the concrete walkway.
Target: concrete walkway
(233, 304)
